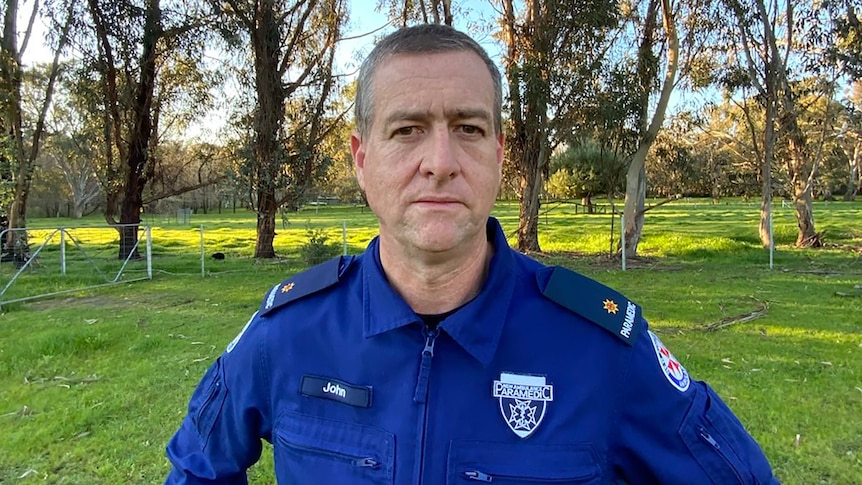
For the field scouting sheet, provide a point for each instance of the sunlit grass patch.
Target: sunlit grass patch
(93, 384)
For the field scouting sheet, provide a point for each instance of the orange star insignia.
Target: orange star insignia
(610, 306)
(287, 287)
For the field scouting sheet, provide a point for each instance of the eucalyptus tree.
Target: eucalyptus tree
(21, 137)
(651, 37)
(727, 133)
(404, 12)
(776, 53)
(70, 156)
(586, 169)
(290, 46)
(125, 48)
(554, 56)
(850, 140)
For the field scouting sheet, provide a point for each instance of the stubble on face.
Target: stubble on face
(430, 163)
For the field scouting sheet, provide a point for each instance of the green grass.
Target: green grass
(94, 383)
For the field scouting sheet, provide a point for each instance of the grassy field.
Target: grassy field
(94, 383)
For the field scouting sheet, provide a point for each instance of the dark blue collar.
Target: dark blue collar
(477, 326)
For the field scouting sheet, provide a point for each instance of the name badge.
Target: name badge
(336, 390)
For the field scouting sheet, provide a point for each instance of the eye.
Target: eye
(406, 131)
(471, 130)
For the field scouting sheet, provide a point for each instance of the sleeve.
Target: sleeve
(228, 415)
(675, 430)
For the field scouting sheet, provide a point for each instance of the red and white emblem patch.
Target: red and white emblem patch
(673, 370)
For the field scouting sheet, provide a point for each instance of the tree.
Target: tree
(424, 11)
(74, 161)
(584, 171)
(850, 141)
(17, 159)
(785, 48)
(549, 75)
(126, 46)
(292, 46)
(646, 72)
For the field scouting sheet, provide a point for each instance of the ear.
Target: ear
(357, 149)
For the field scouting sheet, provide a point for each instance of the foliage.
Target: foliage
(555, 54)
(8, 165)
(317, 248)
(290, 72)
(584, 171)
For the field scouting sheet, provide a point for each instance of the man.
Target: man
(441, 355)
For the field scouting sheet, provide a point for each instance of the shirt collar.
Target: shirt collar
(476, 327)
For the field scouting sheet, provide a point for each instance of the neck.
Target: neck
(436, 283)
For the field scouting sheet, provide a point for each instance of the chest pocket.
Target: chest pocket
(309, 449)
(474, 462)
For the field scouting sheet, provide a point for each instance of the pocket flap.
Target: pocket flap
(337, 438)
(574, 463)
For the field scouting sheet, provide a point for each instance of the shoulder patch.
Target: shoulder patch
(593, 301)
(305, 283)
(670, 366)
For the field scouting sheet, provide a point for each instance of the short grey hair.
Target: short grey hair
(420, 39)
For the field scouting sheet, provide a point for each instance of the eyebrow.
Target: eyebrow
(455, 114)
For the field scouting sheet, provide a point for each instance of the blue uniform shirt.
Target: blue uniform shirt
(545, 376)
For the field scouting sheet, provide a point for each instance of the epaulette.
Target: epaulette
(305, 283)
(592, 301)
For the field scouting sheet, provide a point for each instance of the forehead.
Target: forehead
(427, 79)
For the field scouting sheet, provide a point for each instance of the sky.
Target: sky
(364, 27)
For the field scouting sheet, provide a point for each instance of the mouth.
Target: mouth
(438, 203)
(437, 200)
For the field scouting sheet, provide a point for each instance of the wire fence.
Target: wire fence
(37, 263)
(59, 260)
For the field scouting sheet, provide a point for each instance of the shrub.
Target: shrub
(317, 247)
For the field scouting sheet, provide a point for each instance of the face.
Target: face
(431, 163)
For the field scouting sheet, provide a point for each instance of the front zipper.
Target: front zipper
(704, 435)
(358, 461)
(477, 476)
(420, 395)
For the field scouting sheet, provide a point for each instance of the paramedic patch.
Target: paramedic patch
(523, 401)
(673, 370)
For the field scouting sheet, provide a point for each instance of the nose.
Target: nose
(440, 159)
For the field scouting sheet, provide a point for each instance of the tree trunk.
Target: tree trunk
(14, 160)
(801, 181)
(636, 175)
(633, 210)
(266, 211)
(800, 168)
(853, 182)
(268, 120)
(587, 202)
(528, 145)
(530, 187)
(766, 237)
(138, 156)
(806, 236)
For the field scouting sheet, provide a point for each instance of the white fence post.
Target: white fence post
(623, 238)
(344, 238)
(771, 240)
(203, 259)
(62, 251)
(149, 233)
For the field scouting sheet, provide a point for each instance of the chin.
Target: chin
(438, 240)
